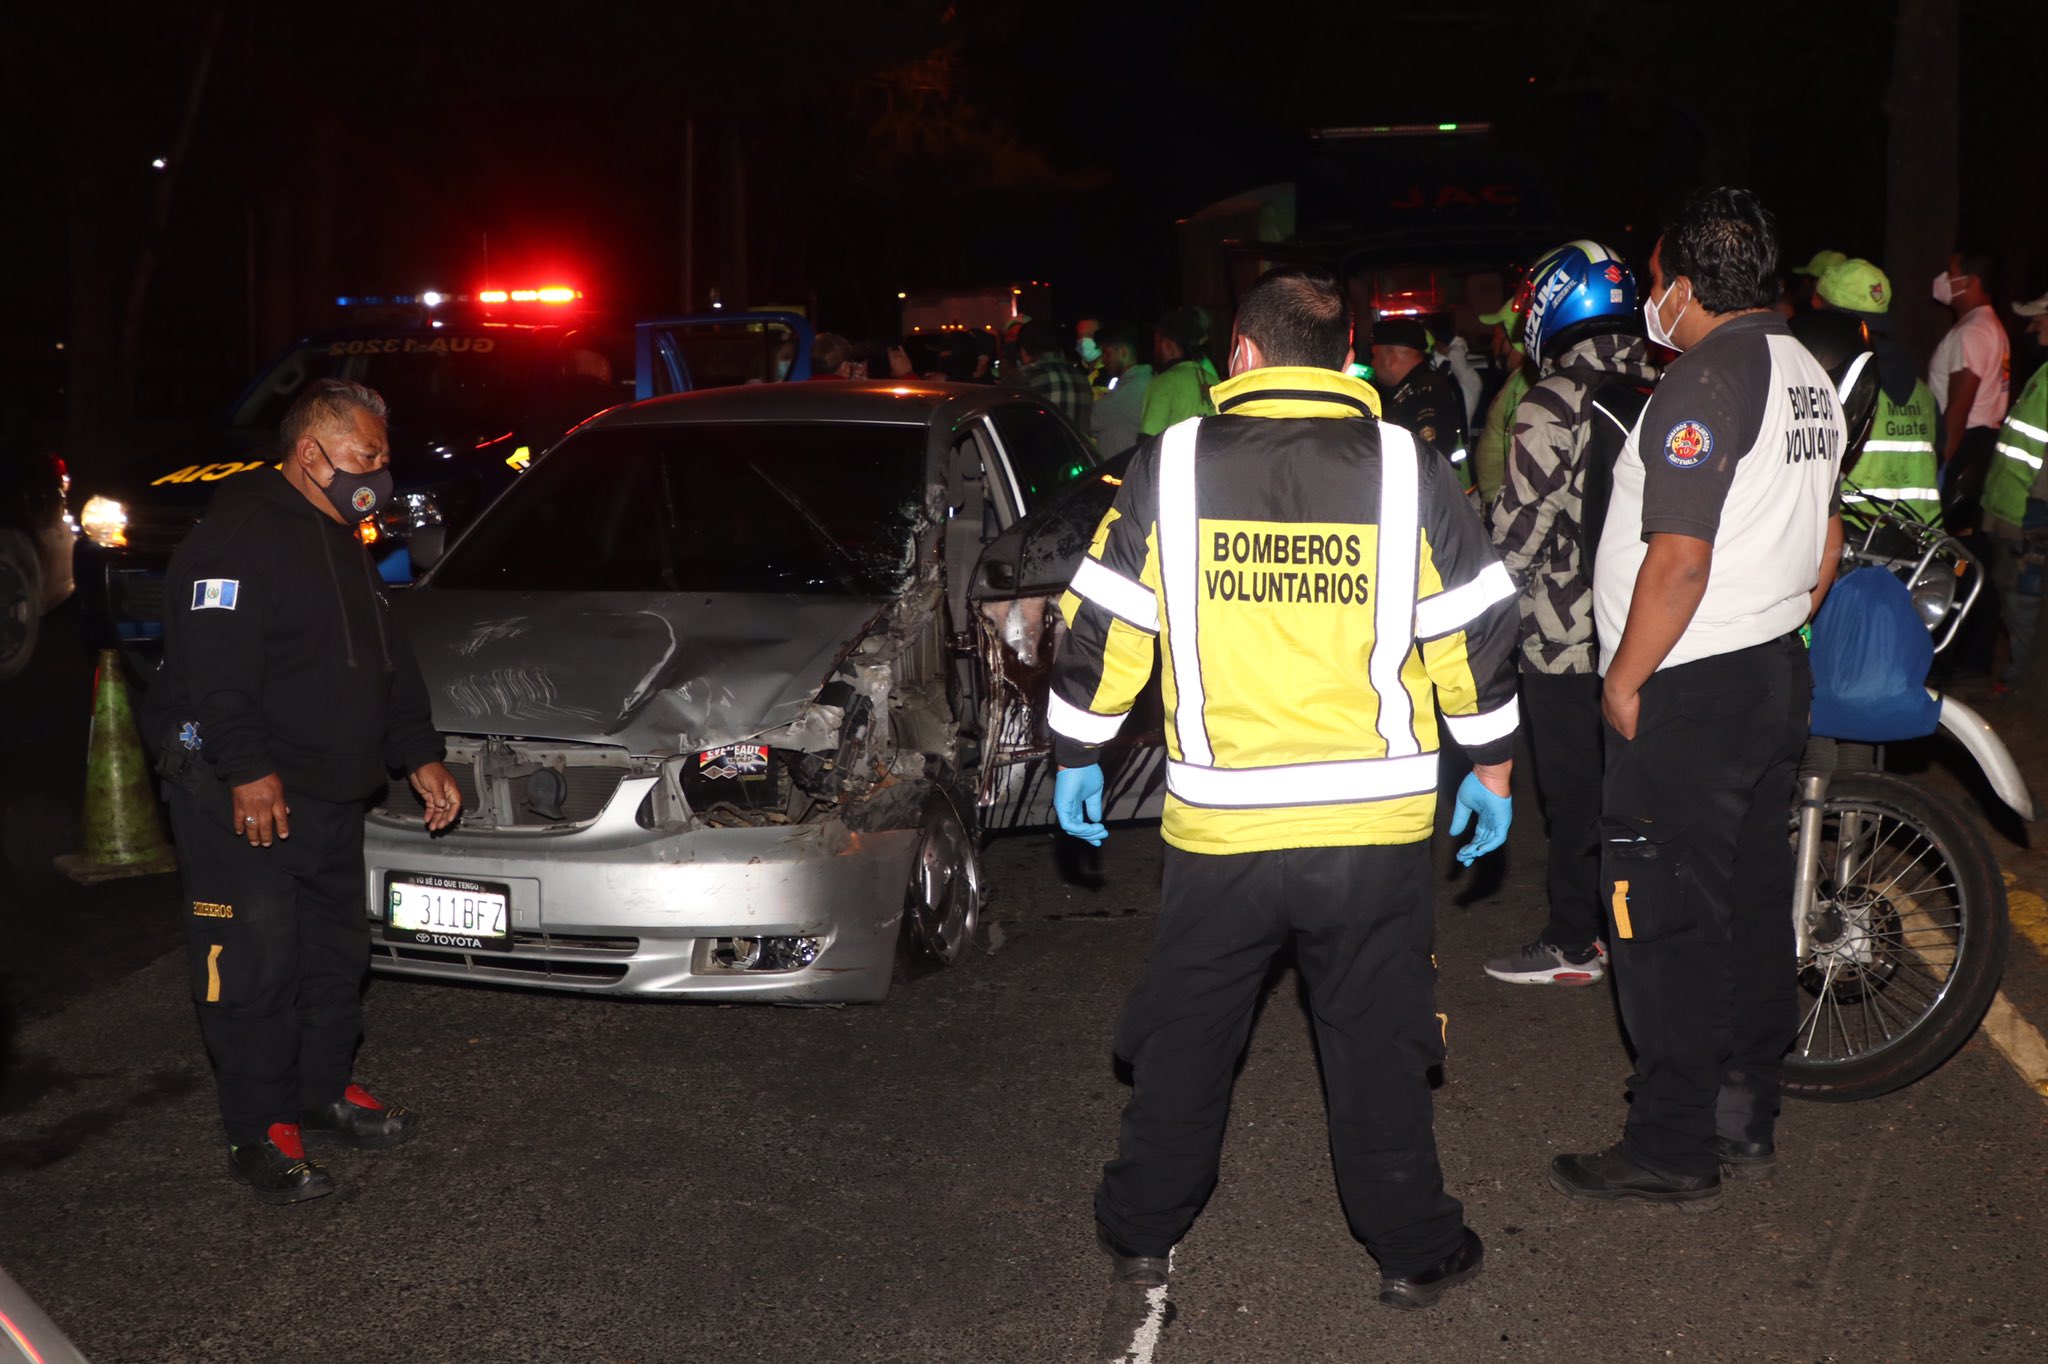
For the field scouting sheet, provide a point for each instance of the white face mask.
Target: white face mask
(1944, 291)
(1088, 350)
(1654, 324)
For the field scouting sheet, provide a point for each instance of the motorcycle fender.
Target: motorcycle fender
(1990, 752)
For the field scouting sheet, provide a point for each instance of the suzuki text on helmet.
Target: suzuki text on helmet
(1579, 288)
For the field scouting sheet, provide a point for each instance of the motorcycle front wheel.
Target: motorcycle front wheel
(1906, 943)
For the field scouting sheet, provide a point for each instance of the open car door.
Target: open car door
(719, 350)
(1015, 594)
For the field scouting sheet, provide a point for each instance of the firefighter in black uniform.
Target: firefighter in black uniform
(1414, 394)
(1316, 588)
(285, 694)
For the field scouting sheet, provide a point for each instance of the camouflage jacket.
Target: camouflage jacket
(1535, 521)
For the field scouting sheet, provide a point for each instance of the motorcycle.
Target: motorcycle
(1899, 909)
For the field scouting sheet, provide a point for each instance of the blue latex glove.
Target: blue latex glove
(1077, 800)
(1495, 814)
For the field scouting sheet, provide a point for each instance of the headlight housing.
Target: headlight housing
(394, 525)
(1934, 596)
(105, 522)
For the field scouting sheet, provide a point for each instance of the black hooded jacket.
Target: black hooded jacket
(278, 643)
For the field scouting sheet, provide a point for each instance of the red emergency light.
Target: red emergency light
(553, 294)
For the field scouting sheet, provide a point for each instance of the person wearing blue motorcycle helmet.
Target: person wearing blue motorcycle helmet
(1582, 322)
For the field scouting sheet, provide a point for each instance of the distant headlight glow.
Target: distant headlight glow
(105, 522)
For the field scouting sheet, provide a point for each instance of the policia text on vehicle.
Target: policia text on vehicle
(1316, 587)
(285, 695)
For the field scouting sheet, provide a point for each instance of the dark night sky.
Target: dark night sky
(890, 145)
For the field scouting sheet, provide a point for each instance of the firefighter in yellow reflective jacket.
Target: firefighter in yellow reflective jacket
(1317, 588)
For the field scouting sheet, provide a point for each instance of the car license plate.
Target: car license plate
(447, 911)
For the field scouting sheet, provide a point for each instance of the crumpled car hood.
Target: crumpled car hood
(657, 673)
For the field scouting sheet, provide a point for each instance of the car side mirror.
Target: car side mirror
(998, 575)
(428, 544)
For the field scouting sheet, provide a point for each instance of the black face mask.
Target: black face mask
(354, 495)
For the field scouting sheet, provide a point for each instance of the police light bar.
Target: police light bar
(556, 294)
(553, 294)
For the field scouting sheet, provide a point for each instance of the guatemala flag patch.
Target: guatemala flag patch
(215, 594)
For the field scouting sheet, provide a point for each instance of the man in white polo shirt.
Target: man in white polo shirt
(1971, 376)
(1719, 541)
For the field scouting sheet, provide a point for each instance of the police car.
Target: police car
(479, 385)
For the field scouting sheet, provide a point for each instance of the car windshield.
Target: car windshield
(439, 379)
(811, 507)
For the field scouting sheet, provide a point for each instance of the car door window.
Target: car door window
(976, 454)
(1044, 452)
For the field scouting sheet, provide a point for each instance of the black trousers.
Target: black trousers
(1561, 716)
(1361, 922)
(1698, 868)
(280, 945)
(1962, 484)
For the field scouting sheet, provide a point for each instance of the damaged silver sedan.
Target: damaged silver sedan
(715, 693)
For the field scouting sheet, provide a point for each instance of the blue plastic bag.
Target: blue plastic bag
(1871, 654)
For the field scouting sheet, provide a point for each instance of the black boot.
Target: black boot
(1138, 1271)
(277, 1169)
(1423, 1288)
(1613, 1175)
(360, 1121)
(1746, 1159)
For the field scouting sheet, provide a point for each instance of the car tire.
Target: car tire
(21, 602)
(944, 894)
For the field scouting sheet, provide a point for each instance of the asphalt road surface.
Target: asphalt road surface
(606, 1180)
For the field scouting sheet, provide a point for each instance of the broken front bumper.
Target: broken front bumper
(612, 907)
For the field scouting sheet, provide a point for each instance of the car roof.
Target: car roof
(898, 403)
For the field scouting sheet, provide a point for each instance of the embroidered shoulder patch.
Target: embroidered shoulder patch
(215, 594)
(1689, 444)
(212, 909)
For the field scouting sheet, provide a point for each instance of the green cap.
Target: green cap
(1856, 286)
(1822, 262)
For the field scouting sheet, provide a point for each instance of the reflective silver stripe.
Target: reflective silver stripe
(1332, 783)
(1849, 379)
(1084, 726)
(1619, 425)
(2026, 428)
(1487, 726)
(1180, 572)
(1457, 456)
(1446, 611)
(1132, 603)
(1899, 447)
(1895, 494)
(2033, 461)
(1393, 607)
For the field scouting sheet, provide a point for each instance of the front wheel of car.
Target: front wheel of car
(942, 903)
(21, 602)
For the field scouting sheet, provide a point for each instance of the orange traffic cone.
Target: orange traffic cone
(122, 836)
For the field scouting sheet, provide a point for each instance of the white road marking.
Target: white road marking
(1145, 1336)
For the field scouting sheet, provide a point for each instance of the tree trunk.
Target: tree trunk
(90, 395)
(1921, 183)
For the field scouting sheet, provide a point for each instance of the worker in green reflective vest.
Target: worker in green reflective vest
(1497, 436)
(2016, 501)
(1898, 465)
